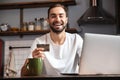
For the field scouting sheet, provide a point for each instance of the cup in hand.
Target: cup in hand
(34, 66)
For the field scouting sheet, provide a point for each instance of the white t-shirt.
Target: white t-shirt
(61, 58)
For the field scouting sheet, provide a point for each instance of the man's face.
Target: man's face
(57, 19)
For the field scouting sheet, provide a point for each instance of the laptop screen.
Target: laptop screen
(100, 54)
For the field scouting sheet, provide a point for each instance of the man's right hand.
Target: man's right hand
(38, 53)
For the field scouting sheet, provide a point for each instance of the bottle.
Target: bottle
(45, 25)
(37, 24)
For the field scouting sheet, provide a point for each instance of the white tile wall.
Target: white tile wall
(20, 53)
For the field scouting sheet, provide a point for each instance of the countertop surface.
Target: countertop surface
(65, 76)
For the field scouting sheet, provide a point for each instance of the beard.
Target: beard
(57, 31)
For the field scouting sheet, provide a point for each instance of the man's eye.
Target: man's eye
(61, 16)
(53, 16)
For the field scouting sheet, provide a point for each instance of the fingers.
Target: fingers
(38, 49)
(38, 53)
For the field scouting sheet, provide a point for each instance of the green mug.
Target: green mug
(34, 66)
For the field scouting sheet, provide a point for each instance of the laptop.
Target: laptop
(100, 54)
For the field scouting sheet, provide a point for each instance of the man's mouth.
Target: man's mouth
(57, 27)
(57, 24)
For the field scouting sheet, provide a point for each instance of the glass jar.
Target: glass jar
(24, 27)
(31, 26)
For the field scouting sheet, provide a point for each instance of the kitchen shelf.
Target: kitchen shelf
(40, 32)
(34, 4)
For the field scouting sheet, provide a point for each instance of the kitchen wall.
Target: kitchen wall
(75, 12)
(16, 56)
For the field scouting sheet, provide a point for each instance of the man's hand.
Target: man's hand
(24, 71)
(38, 53)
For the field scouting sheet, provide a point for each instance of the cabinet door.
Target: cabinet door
(1, 57)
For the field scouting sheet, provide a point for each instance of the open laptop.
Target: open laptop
(100, 54)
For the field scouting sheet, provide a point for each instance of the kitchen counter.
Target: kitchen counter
(65, 76)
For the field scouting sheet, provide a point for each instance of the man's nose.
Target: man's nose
(57, 18)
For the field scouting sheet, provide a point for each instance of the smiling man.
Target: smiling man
(65, 48)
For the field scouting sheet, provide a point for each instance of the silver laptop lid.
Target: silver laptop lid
(100, 54)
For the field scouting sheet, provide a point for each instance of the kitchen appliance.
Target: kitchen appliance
(95, 14)
(1, 57)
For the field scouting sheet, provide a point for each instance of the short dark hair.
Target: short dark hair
(58, 5)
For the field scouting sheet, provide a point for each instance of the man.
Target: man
(65, 48)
